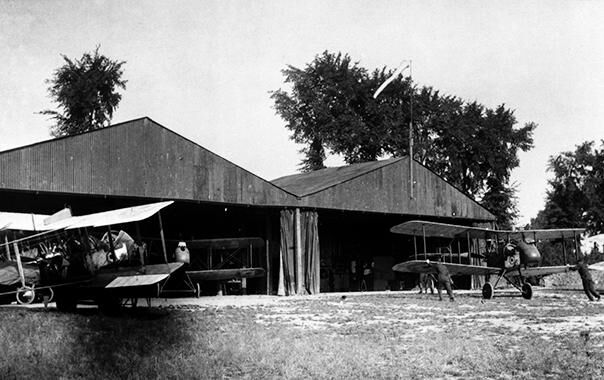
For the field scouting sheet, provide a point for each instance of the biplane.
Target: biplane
(75, 266)
(226, 261)
(509, 255)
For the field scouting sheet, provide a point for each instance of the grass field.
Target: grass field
(369, 335)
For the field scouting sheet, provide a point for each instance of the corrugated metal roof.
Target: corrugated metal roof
(312, 182)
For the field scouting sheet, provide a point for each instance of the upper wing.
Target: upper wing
(106, 218)
(432, 229)
(421, 266)
(540, 271)
(419, 228)
(536, 235)
(21, 221)
(597, 266)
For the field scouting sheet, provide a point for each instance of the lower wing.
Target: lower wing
(539, 271)
(423, 266)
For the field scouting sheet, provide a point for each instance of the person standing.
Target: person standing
(442, 278)
(588, 283)
(425, 282)
(182, 254)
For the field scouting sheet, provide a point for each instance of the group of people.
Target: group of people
(443, 280)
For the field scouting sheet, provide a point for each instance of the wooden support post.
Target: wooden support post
(458, 251)
(268, 267)
(163, 239)
(298, 251)
(469, 247)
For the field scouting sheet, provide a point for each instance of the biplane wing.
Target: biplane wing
(597, 266)
(451, 231)
(422, 266)
(225, 274)
(22, 221)
(539, 271)
(127, 277)
(107, 218)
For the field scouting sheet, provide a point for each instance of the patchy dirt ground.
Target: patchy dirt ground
(549, 313)
(354, 335)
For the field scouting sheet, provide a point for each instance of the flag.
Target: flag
(392, 77)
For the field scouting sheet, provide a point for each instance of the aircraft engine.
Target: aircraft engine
(529, 254)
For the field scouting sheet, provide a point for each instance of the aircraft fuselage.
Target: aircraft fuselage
(529, 254)
(516, 254)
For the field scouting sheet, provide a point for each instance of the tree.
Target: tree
(86, 93)
(575, 198)
(330, 107)
(576, 194)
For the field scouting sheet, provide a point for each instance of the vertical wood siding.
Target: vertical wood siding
(387, 190)
(138, 158)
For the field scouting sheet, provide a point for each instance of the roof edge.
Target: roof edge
(392, 161)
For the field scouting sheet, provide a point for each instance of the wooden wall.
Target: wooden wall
(140, 159)
(386, 190)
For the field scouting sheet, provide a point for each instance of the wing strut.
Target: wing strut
(564, 249)
(415, 246)
(424, 236)
(163, 239)
(577, 248)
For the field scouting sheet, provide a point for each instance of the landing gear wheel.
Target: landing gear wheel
(527, 291)
(197, 290)
(51, 295)
(26, 295)
(487, 291)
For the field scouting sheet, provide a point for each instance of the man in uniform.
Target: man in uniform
(588, 283)
(442, 278)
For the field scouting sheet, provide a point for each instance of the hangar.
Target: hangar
(317, 229)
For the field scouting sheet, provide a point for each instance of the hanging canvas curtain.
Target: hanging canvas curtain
(287, 269)
(310, 250)
(309, 247)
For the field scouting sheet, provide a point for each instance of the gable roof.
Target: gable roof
(383, 186)
(138, 158)
(313, 182)
(141, 158)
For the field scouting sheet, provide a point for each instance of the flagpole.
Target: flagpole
(394, 75)
(411, 185)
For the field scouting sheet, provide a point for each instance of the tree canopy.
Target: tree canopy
(329, 107)
(85, 91)
(575, 197)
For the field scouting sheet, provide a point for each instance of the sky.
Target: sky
(205, 69)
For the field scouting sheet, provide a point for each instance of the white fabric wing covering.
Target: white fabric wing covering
(107, 218)
(22, 221)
